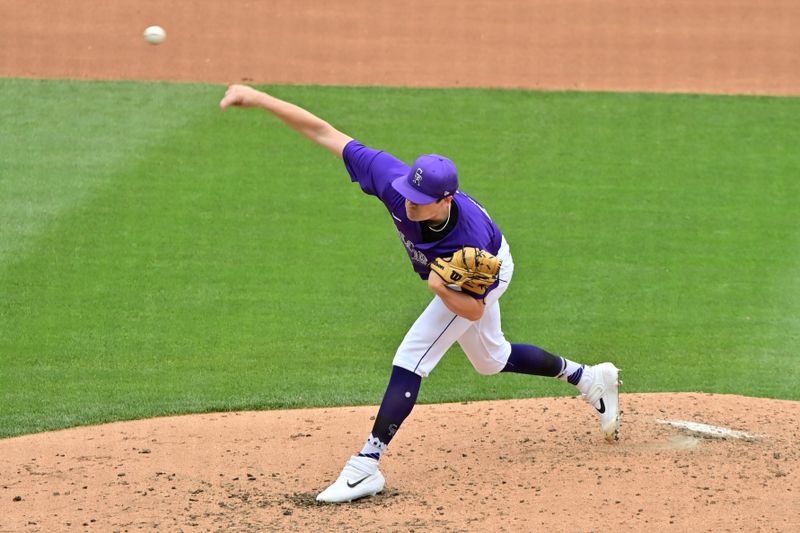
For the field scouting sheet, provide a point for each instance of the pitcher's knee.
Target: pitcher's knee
(488, 361)
(488, 368)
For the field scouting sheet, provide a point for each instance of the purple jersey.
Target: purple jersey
(374, 170)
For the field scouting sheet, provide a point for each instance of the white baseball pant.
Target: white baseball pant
(437, 328)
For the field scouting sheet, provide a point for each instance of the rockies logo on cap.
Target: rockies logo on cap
(418, 177)
(440, 180)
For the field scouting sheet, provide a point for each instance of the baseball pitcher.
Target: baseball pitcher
(458, 250)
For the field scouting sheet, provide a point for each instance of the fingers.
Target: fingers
(227, 100)
(233, 96)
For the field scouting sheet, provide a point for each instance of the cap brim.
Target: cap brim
(410, 193)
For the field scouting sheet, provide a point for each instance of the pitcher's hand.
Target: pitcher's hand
(241, 96)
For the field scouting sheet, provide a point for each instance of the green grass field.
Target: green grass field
(158, 256)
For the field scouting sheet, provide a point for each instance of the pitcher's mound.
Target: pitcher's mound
(520, 465)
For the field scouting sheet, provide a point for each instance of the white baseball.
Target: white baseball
(155, 34)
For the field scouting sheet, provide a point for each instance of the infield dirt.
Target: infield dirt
(712, 46)
(521, 465)
(525, 465)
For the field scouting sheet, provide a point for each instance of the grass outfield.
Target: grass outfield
(158, 256)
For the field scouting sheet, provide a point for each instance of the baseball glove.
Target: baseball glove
(470, 269)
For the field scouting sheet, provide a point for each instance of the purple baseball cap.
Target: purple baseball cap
(432, 177)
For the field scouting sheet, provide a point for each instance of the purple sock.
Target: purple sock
(529, 359)
(398, 401)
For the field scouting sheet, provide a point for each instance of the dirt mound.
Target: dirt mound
(520, 465)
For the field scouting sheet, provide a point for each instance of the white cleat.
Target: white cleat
(603, 395)
(359, 478)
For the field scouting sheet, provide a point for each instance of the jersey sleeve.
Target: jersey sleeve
(373, 169)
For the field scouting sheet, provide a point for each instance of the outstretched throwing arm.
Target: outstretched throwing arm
(297, 118)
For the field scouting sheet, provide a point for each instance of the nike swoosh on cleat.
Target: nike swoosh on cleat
(351, 485)
(601, 409)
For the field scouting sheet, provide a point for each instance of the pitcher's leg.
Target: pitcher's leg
(484, 343)
(436, 329)
(398, 401)
(426, 342)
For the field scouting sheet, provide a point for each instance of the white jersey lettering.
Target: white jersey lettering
(413, 253)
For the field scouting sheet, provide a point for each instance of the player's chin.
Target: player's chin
(412, 215)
